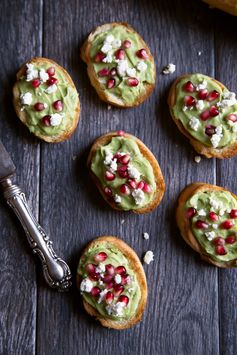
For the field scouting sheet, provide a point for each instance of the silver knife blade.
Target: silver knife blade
(7, 167)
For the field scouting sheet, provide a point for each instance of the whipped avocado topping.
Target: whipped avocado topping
(108, 291)
(126, 176)
(123, 66)
(48, 100)
(206, 112)
(213, 220)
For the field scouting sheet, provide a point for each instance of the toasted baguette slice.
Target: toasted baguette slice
(136, 266)
(66, 134)
(183, 222)
(107, 96)
(229, 6)
(160, 184)
(208, 152)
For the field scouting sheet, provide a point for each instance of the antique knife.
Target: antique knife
(56, 272)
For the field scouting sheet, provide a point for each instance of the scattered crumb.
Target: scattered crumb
(199, 53)
(109, 107)
(169, 69)
(74, 157)
(146, 235)
(148, 257)
(197, 159)
(122, 222)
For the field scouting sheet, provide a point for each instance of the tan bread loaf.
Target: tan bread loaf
(229, 6)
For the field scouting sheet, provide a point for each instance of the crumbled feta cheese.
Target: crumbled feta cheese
(43, 75)
(133, 172)
(130, 289)
(229, 100)
(185, 108)
(122, 67)
(51, 89)
(202, 86)
(219, 129)
(200, 105)
(197, 158)
(234, 128)
(116, 43)
(210, 235)
(117, 199)
(169, 69)
(117, 279)
(113, 166)
(229, 95)
(194, 123)
(221, 212)
(202, 212)
(100, 268)
(107, 47)
(146, 235)
(215, 204)
(131, 72)
(215, 226)
(148, 257)
(102, 295)
(108, 58)
(31, 73)
(138, 196)
(86, 285)
(26, 99)
(109, 38)
(55, 119)
(108, 157)
(215, 140)
(115, 309)
(141, 66)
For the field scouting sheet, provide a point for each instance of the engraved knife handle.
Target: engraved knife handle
(56, 272)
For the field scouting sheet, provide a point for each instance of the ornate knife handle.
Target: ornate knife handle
(56, 272)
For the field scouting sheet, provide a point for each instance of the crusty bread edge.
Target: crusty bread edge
(22, 115)
(160, 183)
(224, 6)
(136, 266)
(183, 222)
(208, 152)
(105, 95)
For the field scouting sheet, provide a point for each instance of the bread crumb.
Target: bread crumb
(148, 257)
(146, 235)
(199, 53)
(197, 158)
(169, 69)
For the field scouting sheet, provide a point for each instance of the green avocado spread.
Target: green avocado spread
(115, 285)
(206, 111)
(50, 102)
(218, 234)
(126, 176)
(128, 63)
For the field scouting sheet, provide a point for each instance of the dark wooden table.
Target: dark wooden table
(192, 306)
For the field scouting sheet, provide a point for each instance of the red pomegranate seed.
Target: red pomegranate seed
(52, 81)
(124, 189)
(147, 188)
(142, 53)
(132, 183)
(189, 87)
(124, 159)
(125, 279)
(220, 250)
(109, 269)
(51, 71)
(119, 54)
(117, 155)
(108, 191)
(122, 171)
(127, 44)
(110, 83)
(140, 185)
(233, 214)
(46, 120)
(109, 297)
(58, 105)
(35, 83)
(213, 216)
(132, 82)
(95, 291)
(201, 224)
(102, 256)
(124, 299)
(227, 224)
(190, 213)
(213, 95)
(109, 285)
(231, 117)
(113, 72)
(189, 100)
(90, 268)
(94, 276)
(231, 239)
(107, 278)
(210, 130)
(99, 57)
(109, 176)
(213, 111)
(120, 270)
(39, 106)
(118, 289)
(218, 241)
(202, 94)
(104, 72)
(205, 115)
(120, 133)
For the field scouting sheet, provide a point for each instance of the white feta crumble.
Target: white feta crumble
(210, 235)
(221, 212)
(148, 257)
(102, 295)
(141, 66)
(115, 309)
(138, 196)
(107, 47)
(43, 75)
(86, 285)
(116, 43)
(197, 158)
(131, 72)
(219, 130)
(130, 289)
(108, 58)
(31, 73)
(26, 99)
(194, 123)
(113, 166)
(200, 105)
(234, 128)
(108, 157)
(51, 89)
(109, 38)
(215, 226)
(122, 67)
(100, 268)
(202, 85)
(185, 108)
(55, 119)
(169, 69)
(133, 172)
(215, 138)
(229, 100)
(202, 212)
(146, 235)
(117, 279)
(117, 199)
(215, 204)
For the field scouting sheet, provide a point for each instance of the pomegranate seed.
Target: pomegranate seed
(213, 216)
(190, 213)
(109, 269)
(218, 241)
(125, 279)
(58, 105)
(120, 270)
(213, 95)
(189, 87)
(95, 291)
(52, 81)
(202, 94)
(108, 191)
(39, 106)
(201, 224)
(132, 82)
(119, 54)
(213, 111)
(51, 71)
(113, 72)
(90, 268)
(107, 278)
(122, 171)
(110, 83)
(132, 183)
(46, 120)
(102, 256)
(124, 299)
(147, 188)
(231, 117)
(124, 159)
(109, 285)
(120, 133)
(210, 130)
(94, 276)
(109, 176)
(104, 72)
(118, 289)
(109, 297)
(99, 57)
(189, 101)
(233, 214)
(124, 189)
(227, 224)
(142, 53)
(220, 250)
(231, 239)
(140, 185)
(205, 115)
(35, 83)
(127, 43)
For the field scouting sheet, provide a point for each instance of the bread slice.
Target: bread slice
(229, 6)
(136, 266)
(208, 152)
(23, 116)
(160, 184)
(106, 95)
(183, 222)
